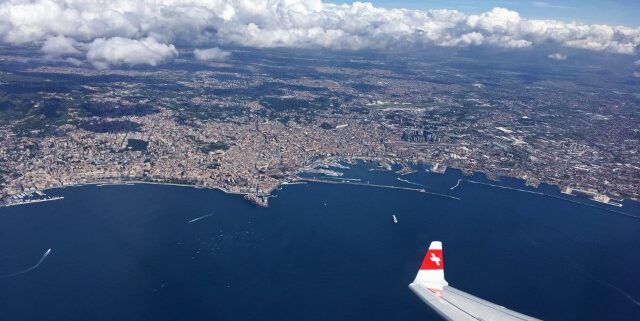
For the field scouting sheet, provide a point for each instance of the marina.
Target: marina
(31, 197)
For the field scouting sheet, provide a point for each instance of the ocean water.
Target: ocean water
(319, 252)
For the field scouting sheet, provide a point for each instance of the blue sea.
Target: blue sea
(319, 252)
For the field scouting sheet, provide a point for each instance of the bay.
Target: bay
(319, 252)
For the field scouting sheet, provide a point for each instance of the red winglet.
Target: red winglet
(433, 260)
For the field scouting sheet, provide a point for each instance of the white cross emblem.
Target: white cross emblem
(434, 258)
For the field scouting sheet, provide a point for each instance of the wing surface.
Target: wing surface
(453, 304)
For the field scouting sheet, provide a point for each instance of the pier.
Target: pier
(31, 201)
(419, 190)
(551, 196)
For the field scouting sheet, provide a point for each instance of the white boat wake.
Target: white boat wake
(199, 218)
(44, 256)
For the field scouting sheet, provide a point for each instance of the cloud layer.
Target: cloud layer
(154, 26)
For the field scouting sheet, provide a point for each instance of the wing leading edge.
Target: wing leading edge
(452, 304)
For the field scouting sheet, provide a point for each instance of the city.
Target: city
(247, 128)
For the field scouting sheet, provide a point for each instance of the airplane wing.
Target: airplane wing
(450, 303)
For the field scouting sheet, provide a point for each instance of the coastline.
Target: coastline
(385, 164)
(551, 196)
(119, 183)
(51, 198)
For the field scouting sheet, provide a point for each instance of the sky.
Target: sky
(151, 32)
(622, 12)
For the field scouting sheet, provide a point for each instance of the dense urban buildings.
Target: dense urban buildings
(257, 119)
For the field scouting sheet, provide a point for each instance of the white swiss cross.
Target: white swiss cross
(434, 258)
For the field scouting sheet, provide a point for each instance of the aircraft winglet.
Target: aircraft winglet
(431, 272)
(453, 304)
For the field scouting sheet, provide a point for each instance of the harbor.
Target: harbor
(30, 197)
(419, 190)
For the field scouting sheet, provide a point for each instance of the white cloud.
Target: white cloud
(60, 46)
(292, 23)
(215, 54)
(117, 51)
(637, 63)
(636, 74)
(73, 61)
(557, 56)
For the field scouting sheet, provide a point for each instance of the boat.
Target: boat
(395, 219)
